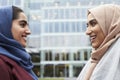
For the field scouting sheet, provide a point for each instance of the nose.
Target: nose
(28, 32)
(88, 31)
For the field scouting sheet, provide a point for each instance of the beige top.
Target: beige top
(108, 68)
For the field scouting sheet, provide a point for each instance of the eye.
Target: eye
(22, 24)
(87, 25)
(93, 23)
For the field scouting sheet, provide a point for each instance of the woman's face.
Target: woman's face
(20, 29)
(94, 31)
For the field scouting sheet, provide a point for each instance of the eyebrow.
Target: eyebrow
(92, 20)
(24, 21)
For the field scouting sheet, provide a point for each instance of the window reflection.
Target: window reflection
(36, 69)
(48, 55)
(48, 70)
(35, 57)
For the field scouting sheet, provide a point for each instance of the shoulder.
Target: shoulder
(4, 71)
(12, 69)
(3, 65)
(115, 46)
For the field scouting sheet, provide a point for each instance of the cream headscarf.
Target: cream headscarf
(108, 17)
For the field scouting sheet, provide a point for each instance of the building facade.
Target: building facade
(64, 47)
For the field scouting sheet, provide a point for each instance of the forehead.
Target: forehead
(22, 16)
(90, 17)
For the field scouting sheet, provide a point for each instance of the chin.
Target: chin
(94, 46)
(24, 45)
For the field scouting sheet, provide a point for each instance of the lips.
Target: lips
(92, 38)
(24, 37)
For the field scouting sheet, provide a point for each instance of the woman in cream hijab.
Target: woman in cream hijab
(104, 31)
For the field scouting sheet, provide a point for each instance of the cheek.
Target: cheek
(100, 39)
(100, 36)
(16, 34)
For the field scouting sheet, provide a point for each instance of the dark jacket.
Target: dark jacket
(10, 70)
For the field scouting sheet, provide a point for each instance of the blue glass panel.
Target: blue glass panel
(35, 28)
(84, 12)
(3, 2)
(46, 27)
(78, 26)
(35, 6)
(62, 27)
(46, 14)
(61, 14)
(67, 28)
(17, 2)
(73, 26)
(50, 27)
(84, 26)
(57, 27)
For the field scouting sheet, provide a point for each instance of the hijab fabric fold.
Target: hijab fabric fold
(10, 47)
(108, 17)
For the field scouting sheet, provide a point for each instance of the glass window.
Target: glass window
(62, 27)
(50, 68)
(66, 13)
(57, 27)
(77, 70)
(34, 6)
(48, 55)
(55, 13)
(35, 28)
(35, 57)
(17, 2)
(78, 26)
(36, 70)
(45, 41)
(3, 2)
(62, 70)
(78, 13)
(65, 56)
(84, 13)
(49, 14)
(57, 56)
(51, 28)
(73, 14)
(76, 55)
(86, 55)
(66, 27)
(46, 27)
(46, 14)
(73, 26)
(34, 42)
(84, 26)
(61, 14)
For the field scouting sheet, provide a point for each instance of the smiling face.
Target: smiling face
(20, 29)
(94, 31)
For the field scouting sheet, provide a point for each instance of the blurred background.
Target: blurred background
(58, 44)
